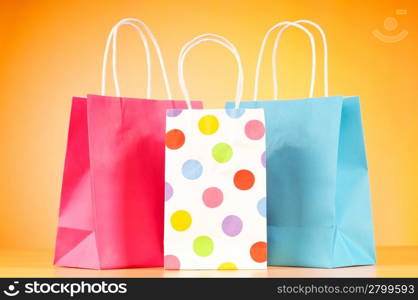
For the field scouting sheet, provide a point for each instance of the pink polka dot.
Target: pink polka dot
(254, 129)
(171, 262)
(212, 197)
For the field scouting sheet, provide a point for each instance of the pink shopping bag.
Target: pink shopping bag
(112, 202)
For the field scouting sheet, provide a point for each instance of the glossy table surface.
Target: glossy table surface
(391, 262)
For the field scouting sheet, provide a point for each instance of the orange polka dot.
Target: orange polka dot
(258, 252)
(174, 139)
(244, 179)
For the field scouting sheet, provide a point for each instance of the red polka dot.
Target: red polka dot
(258, 252)
(174, 139)
(244, 179)
(254, 129)
(171, 262)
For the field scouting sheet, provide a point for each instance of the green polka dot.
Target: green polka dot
(203, 246)
(222, 152)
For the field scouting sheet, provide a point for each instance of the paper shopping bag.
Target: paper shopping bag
(111, 213)
(215, 184)
(318, 198)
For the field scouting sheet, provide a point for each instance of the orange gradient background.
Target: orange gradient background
(52, 50)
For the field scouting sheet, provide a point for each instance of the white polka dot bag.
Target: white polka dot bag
(215, 190)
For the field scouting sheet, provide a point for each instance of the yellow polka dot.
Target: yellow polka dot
(181, 220)
(227, 266)
(208, 124)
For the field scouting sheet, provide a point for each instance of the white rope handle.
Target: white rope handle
(324, 44)
(209, 37)
(261, 52)
(112, 37)
(274, 58)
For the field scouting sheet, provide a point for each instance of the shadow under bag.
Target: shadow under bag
(318, 198)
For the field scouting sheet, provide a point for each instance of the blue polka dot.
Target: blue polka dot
(192, 169)
(235, 113)
(261, 206)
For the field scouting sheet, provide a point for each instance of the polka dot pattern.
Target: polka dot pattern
(171, 262)
(203, 246)
(173, 112)
(262, 207)
(232, 225)
(192, 169)
(258, 252)
(235, 113)
(181, 220)
(212, 197)
(244, 179)
(263, 159)
(222, 152)
(215, 206)
(174, 139)
(254, 129)
(168, 191)
(208, 124)
(227, 266)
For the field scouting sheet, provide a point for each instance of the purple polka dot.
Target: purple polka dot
(173, 112)
(168, 191)
(263, 159)
(232, 225)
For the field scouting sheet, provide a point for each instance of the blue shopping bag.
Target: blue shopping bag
(318, 198)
